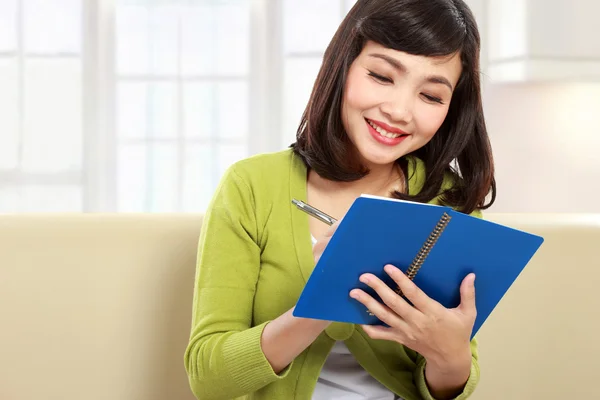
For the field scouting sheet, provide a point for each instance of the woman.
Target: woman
(395, 111)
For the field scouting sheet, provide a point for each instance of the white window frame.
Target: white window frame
(16, 177)
(99, 85)
(98, 175)
(266, 76)
(99, 123)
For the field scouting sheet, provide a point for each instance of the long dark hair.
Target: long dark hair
(460, 147)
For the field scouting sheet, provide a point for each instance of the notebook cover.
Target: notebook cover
(379, 231)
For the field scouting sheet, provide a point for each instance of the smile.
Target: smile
(383, 132)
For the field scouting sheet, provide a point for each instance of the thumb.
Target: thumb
(467, 295)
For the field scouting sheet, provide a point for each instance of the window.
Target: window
(40, 105)
(140, 105)
(182, 71)
(306, 35)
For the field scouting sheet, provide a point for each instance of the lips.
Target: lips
(385, 130)
(384, 133)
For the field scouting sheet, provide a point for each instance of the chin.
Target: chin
(376, 154)
(379, 158)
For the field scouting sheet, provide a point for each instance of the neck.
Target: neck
(380, 181)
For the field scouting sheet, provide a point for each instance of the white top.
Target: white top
(343, 378)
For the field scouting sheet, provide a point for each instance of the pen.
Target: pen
(318, 214)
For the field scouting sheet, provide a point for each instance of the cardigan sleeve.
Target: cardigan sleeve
(224, 358)
(469, 386)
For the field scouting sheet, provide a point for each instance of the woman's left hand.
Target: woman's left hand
(439, 334)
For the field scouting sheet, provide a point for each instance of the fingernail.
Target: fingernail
(364, 279)
(389, 269)
(354, 294)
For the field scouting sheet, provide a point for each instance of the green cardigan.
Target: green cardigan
(254, 258)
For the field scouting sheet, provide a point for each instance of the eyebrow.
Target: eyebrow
(400, 67)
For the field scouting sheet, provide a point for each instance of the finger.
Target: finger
(331, 230)
(321, 244)
(379, 332)
(467, 295)
(394, 301)
(381, 311)
(411, 291)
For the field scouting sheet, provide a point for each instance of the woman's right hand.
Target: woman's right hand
(284, 338)
(322, 242)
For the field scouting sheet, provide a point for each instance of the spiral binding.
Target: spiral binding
(427, 246)
(421, 256)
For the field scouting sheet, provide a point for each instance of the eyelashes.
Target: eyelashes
(432, 98)
(383, 79)
(380, 77)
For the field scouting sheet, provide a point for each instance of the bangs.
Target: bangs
(437, 29)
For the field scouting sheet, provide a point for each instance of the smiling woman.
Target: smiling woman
(411, 92)
(423, 78)
(396, 102)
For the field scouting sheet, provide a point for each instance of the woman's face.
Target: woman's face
(395, 102)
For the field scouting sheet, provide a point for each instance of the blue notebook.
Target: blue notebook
(377, 231)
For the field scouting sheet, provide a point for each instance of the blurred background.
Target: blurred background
(140, 105)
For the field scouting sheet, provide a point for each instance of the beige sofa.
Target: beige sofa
(97, 307)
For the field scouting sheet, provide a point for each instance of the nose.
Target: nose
(399, 107)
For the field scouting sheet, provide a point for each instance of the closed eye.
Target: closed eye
(380, 78)
(433, 99)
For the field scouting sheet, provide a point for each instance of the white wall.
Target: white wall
(545, 136)
(546, 141)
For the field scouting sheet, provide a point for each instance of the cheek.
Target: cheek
(360, 95)
(429, 119)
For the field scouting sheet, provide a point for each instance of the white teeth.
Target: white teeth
(383, 132)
